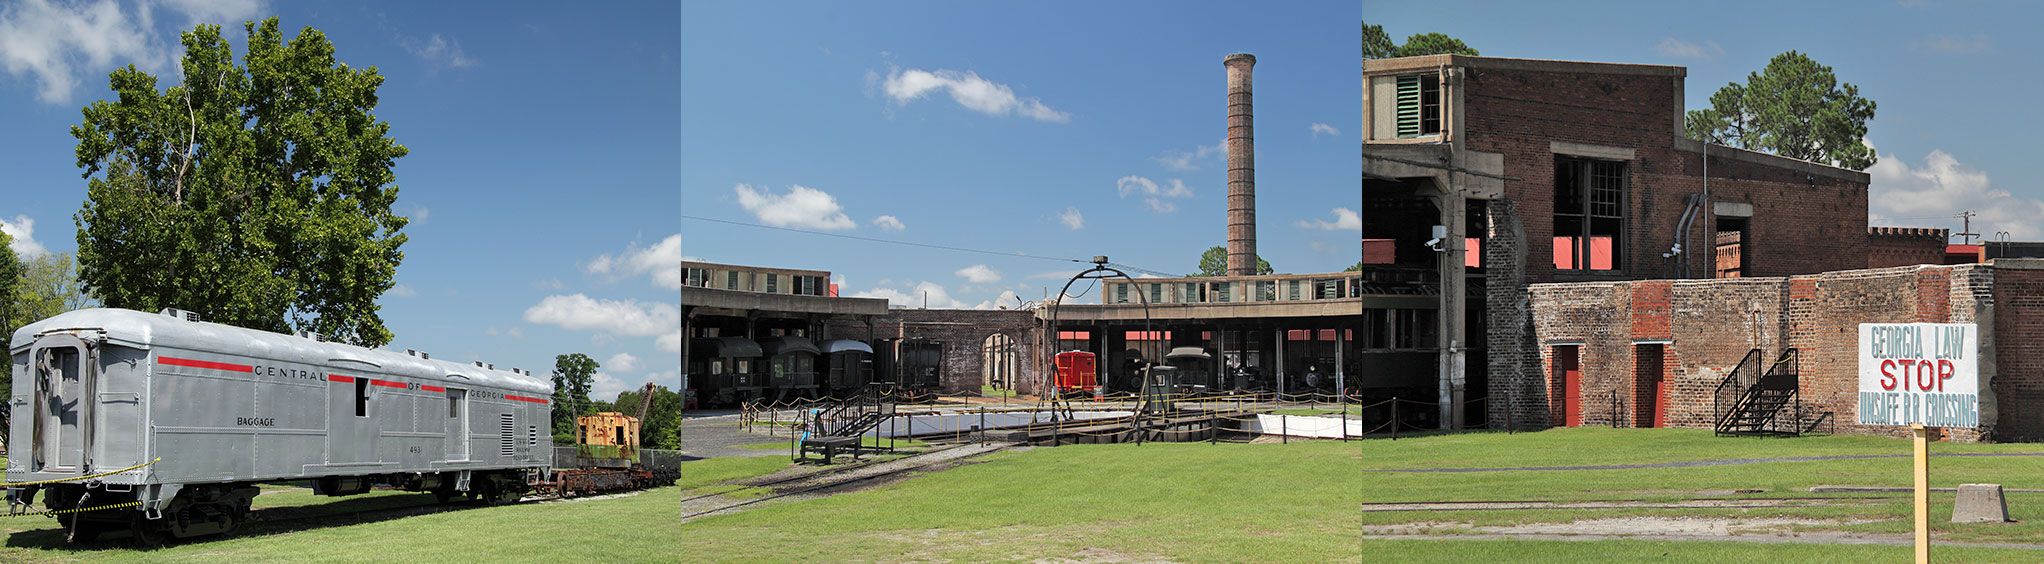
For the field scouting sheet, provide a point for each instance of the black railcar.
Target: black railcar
(848, 367)
(725, 370)
(791, 367)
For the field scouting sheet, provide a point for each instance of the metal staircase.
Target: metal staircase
(1760, 398)
(840, 426)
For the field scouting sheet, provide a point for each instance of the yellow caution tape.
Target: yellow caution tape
(56, 512)
(77, 478)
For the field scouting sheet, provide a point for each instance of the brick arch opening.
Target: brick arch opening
(1000, 361)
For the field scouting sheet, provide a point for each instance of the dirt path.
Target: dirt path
(720, 436)
(1703, 463)
(1618, 504)
(1768, 530)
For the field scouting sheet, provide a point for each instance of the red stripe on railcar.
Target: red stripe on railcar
(190, 363)
(432, 388)
(340, 378)
(525, 399)
(387, 384)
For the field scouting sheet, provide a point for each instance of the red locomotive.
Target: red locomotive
(1076, 374)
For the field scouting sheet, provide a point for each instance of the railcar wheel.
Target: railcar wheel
(148, 534)
(444, 495)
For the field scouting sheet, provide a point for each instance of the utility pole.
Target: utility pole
(1966, 233)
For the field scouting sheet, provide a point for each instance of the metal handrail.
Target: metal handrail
(1721, 411)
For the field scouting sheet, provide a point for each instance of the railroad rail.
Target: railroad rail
(848, 475)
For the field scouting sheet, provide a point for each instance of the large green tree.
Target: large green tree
(49, 286)
(257, 193)
(1795, 108)
(574, 375)
(661, 426)
(10, 309)
(1378, 45)
(1214, 262)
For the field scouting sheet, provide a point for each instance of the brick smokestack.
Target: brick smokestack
(1241, 167)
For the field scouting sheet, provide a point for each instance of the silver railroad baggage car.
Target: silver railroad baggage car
(182, 418)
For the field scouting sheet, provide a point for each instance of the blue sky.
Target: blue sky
(1952, 80)
(541, 175)
(987, 125)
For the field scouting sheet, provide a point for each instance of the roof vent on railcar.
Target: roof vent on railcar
(191, 316)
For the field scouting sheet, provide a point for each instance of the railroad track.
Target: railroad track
(852, 475)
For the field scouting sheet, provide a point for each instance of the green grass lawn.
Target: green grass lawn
(993, 392)
(1297, 502)
(1308, 411)
(1141, 503)
(303, 527)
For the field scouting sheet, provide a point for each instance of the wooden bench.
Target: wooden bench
(829, 447)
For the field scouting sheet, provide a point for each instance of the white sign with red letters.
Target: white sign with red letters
(1926, 373)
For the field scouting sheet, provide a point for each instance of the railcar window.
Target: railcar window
(454, 403)
(362, 396)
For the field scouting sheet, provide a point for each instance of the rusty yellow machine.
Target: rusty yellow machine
(607, 456)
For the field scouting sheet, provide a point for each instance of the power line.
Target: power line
(924, 245)
(878, 240)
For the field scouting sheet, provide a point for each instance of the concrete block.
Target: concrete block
(1980, 503)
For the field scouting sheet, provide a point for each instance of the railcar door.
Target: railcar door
(65, 376)
(351, 423)
(457, 425)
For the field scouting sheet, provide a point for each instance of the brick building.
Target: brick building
(1653, 352)
(1488, 175)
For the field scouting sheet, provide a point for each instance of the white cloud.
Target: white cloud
(57, 42)
(1708, 50)
(438, 51)
(889, 223)
(622, 362)
(578, 312)
(1344, 219)
(1152, 194)
(605, 387)
(1072, 218)
(662, 261)
(1321, 128)
(403, 291)
(1901, 195)
(1951, 45)
(802, 206)
(419, 214)
(1190, 160)
(923, 292)
(1007, 300)
(554, 284)
(669, 378)
(670, 342)
(21, 234)
(514, 332)
(969, 90)
(979, 274)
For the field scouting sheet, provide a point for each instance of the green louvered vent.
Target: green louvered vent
(1408, 106)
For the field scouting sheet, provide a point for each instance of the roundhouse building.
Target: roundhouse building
(1484, 175)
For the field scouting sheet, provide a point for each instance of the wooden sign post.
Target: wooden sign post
(1922, 437)
(1925, 376)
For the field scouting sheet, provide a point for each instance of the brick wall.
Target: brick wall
(1905, 246)
(2018, 320)
(1711, 324)
(1802, 223)
(963, 332)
